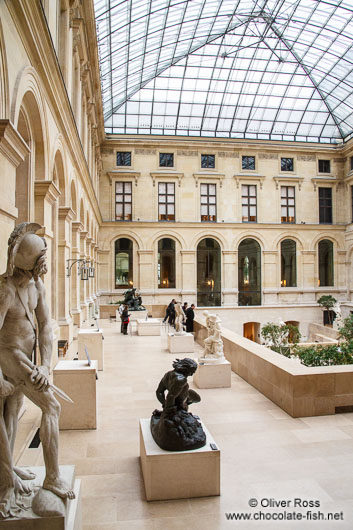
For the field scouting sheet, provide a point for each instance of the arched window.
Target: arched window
(123, 263)
(166, 263)
(288, 263)
(249, 272)
(208, 273)
(325, 263)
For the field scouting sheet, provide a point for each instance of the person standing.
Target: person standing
(190, 315)
(120, 310)
(125, 320)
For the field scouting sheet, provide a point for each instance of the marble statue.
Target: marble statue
(213, 344)
(133, 300)
(179, 318)
(338, 322)
(22, 293)
(174, 428)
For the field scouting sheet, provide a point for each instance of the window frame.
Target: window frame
(123, 202)
(248, 205)
(323, 209)
(286, 158)
(287, 206)
(167, 203)
(161, 153)
(124, 165)
(322, 161)
(247, 157)
(208, 203)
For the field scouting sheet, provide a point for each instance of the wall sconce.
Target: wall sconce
(83, 270)
(91, 272)
(84, 273)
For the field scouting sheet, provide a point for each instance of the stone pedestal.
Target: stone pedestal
(178, 475)
(134, 315)
(78, 380)
(180, 343)
(152, 326)
(93, 340)
(71, 518)
(213, 375)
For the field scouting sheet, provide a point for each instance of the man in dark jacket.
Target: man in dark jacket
(190, 315)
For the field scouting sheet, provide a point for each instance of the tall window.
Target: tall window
(287, 164)
(248, 162)
(123, 158)
(208, 161)
(166, 201)
(325, 263)
(208, 273)
(123, 201)
(166, 159)
(166, 263)
(324, 166)
(208, 202)
(249, 272)
(123, 263)
(287, 204)
(248, 202)
(325, 205)
(288, 263)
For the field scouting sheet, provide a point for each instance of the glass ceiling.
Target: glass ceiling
(262, 69)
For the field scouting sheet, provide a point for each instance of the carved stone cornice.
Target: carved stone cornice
(66, 213)
(12, 145)
(46, 189)
(84, 234)
(77, 226)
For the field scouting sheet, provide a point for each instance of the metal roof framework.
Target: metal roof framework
(252, 69)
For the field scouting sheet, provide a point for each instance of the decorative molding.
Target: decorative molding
(145, 151)
(66, 213)
(77, 226)
(206, 175)
(84, 234)
(187, 153)
(289, 179)
(306, 158)
(228, 154)
(12, 145)
(323, 180)
(166, 174)
(126, 173)
(47, 190)
(243, 177)
(268, 156)
(340, 160)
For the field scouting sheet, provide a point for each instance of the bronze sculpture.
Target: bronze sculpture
(174, 428)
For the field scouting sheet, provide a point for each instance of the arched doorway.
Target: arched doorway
(251, 331)
(249, 272)
(208, 273)
(123, 263)
(166, 263)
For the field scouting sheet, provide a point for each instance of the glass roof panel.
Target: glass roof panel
(230, 68)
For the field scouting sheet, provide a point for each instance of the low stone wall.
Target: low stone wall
(154, 311)
(320, 333)
(297, 389)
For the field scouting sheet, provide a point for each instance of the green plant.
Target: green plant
(346, 330)
(323, 355)
(327, 301)
(279, 336)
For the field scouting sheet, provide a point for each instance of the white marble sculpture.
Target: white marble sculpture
(213, 344)
(22, 293)
(338, 322)
(179, 318)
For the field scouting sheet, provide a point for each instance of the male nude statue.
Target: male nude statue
(22, 292)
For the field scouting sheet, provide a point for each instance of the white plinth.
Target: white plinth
(30, 521)
(176, 474)
(180, 343)
(152, 326)
(134, 315)
(213, 375)
(93, 340)
(78, 380)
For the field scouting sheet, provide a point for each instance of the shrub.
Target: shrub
(327, 301)
(324, 355)
(277, 337)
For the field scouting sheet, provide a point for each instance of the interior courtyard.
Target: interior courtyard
(200, 151)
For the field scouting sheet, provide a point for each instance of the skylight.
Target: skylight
(262, 69)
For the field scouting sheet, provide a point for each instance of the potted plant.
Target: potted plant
(327, 301)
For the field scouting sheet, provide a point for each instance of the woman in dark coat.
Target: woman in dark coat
(190, 315)
(125, 320)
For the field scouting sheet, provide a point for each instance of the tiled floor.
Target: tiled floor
(266, 454)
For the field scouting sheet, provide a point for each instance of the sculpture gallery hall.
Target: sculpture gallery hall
(176, 289)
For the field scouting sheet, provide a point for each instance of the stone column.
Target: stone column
(188, 276)
(13, 150)
(230, 277)
(310, 275)
(64, 246)
(76, 312)
(146, 275)
(104, 273)
(270, 278)
(83, 283)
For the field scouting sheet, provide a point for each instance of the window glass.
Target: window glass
(123, 263)
(166, 201)
(166, 159)
(208, 202)
(287, 204)
(166, 264)
(249, 273)
(325, 263)
(248, 162)
(123, 201)
(287, 164)
(325, 205)
(324, 166)
(288, 263)
(208, 161)
(208, 273)
(123, 158)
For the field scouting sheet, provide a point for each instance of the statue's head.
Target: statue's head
(27, 251)
(185, 366)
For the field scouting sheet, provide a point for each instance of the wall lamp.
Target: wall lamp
(85, 268)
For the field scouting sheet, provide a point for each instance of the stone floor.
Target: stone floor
(266, 454)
